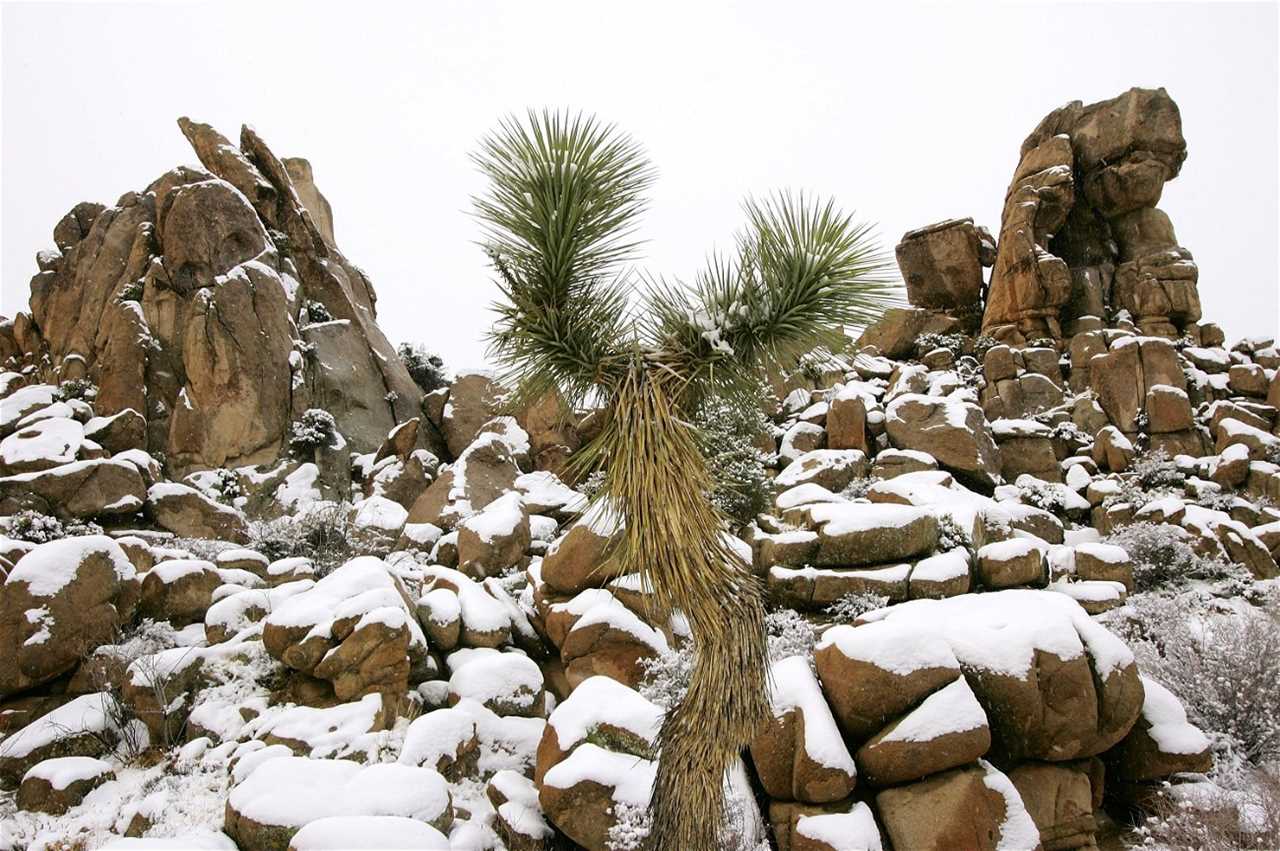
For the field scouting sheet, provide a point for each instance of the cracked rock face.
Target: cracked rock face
(188, 302)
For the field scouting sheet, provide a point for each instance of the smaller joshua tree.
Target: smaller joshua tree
(564, 194)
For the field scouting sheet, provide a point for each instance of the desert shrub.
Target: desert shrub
(789, 634)
(1156, 471)
(591, 485)
(131, 291)
(858, 487)
(1162, 556)
(316, 312)
(1242, 812)
(849, 607)
(37, 528)
(1225, 667)
(425, 367)
(225, 485)
(666, 676)
(1041, 495)
(314, 429)
(324, 534)
(982, 345)
(77, 388)
(951, 535)
(726, 431)
(927, 342)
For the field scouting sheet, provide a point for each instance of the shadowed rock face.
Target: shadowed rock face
(188, 303)
(1081, 234)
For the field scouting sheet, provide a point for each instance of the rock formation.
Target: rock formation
(408, 630)
(215, 304)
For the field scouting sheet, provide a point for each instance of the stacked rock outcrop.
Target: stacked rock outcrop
(410, 629)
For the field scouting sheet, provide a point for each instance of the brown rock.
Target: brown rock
(96, 488)
(894, 335)
(188, 513)
(81, 590)
(474, 399)
(955, 433)
(56, 785)
(941, 266)
(1061, 799)
(955, 809)
(947, 730)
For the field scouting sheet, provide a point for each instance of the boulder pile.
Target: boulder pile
(261, 591)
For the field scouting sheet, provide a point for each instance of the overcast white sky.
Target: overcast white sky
(908, 113)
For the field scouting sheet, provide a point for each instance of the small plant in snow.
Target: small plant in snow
(666, 676)
(1226, 670)
(789, 634)
(325, 535)
(858, 487)
(982, 345)
(630, 828)
(37, 528)
(1241, 811)
(1162, 556)
(849, 607)
(726, 431)
(316, 312)
(591, 485)
(424, 367)
(131, 291)
(927, 342)
(392, 397)
(1155, 470)
(226, 485)
(316, 428)
(951, 535)
(1039, 494)
(77, 388)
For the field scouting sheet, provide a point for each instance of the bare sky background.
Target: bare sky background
(908, 113)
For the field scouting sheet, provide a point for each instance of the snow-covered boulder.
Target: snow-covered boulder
(56, 785)
(833, 469)
(99, 487)
(951, 430)
(43, 444)
(1011, 563)
(83, 726)
(356, 628)
(1162, 742)
(495, 538)
(367, 833)
(467, 740)
(281, 796)
(978, 803)
(579, 559)
(801, 756)
(61, 600)
(188, 513)
(505, 683)
(948, 729)
(853, 534)
(484, 471)
(1054, 683)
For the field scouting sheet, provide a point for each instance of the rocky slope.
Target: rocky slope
(1003, 529)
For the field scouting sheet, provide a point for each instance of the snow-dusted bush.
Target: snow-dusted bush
(630, 829)
(1162, 556)
(927, 342)
(727, 430)
(982, 345)
(1241, 811)
(1225, 667)
(858, 487)
(789, 634)
(666, 676)
(316, 312)
(314, 429)
(591, 485)
(851, 605)
(77, 388)
(425, 367)
(951, 535)
(1039, 494)
(40, 528)
(1156, 471)
(225, 485)
(326, 535)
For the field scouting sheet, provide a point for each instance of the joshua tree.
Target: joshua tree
(559, 215)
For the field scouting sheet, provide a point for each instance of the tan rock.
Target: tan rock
(955, 433)
(954, 809)
(941, 265)
(948, 729)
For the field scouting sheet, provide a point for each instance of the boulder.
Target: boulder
(974, 808)
(102, 487)
(484, 471)
(1061, 799)
(874, 673)
(941, 264)
(56, 785)
(1008, 564)
(579, 559)
(61, 600)
(800, 755)
(860, 533)
(474, 399)
(281, 796)
(80, 727)
(495, 538)
(188, 513)
(948, 729)
(1162, 742)
(955, 433)
(894, 335)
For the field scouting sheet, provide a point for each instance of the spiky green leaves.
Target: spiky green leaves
(559, 218)
(803, 272)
